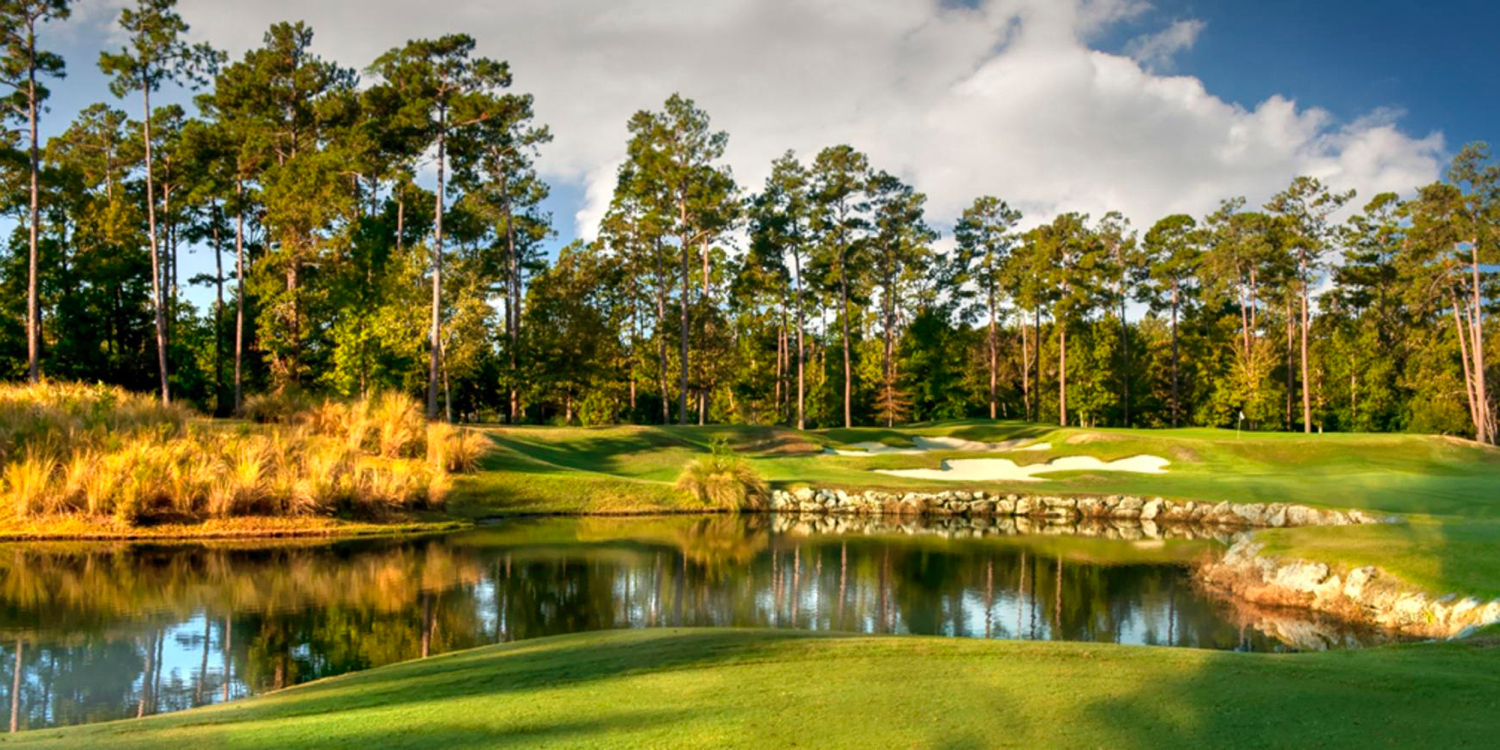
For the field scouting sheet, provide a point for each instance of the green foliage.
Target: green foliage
(292, 168)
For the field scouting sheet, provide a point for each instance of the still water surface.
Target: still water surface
(91, 632)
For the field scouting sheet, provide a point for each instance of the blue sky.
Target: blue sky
(1037, 101)
(1436, 61)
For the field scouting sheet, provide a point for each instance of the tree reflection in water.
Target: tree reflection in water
(91, 632)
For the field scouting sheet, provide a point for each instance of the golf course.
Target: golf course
(804, 685)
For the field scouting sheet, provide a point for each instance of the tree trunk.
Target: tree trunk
(513, 292)
(1306, 392)
(994, 354)
(687, 286)
(33, 310)
(890, 355)
(400, 219)
(1025, 368)
(434, 345)
(1465, 361)
(1036, 360)
(1476, 323)
(780, 360)
(703, 376)
(239, 313)
(1062, 372)
(848, 369)
(801, 350)
(1125, 365)
(1291, 354)
(156, 280)
(218, 314)
(661, 338)
(1176, 392)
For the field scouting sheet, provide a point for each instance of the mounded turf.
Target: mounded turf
(1449, 490)
(762, 688)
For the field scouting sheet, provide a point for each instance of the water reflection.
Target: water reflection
(93, 632)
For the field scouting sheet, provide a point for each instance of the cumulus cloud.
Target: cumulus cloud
(1155, 51)
(1003, 97)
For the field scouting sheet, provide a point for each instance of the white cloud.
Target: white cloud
(1005, 97)
(1155, 51)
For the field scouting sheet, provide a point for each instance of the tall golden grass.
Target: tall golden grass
(100, 450)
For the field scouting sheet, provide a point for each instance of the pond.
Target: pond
(91, 632)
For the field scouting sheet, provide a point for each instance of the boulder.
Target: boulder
(1300, 576)
(1276, 517)
(1151, 509)
(1359, 578)
(1251, 514)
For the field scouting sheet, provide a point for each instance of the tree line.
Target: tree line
(823, 298)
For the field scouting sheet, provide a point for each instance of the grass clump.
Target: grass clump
(724, 480)
(103, 452)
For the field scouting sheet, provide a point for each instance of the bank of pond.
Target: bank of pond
(93, 631)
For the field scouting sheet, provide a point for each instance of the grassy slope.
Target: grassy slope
(1448, 488)
(682, 688)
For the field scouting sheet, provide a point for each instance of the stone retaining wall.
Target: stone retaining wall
(1363, 594)
(979, 526)
(1065, 509)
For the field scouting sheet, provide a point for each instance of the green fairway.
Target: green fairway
(632, 468)
(1449, 489)
(684, 688)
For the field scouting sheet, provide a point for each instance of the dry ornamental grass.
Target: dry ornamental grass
(102, 451)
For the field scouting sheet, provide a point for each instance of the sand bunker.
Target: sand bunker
(974, 446)
(1004, 469)
(925, 444)
(870, 448)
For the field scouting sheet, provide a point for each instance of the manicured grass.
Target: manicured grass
(760, 688)
(632, 468)
(1449, 489)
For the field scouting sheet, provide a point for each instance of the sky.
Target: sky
(1149, 108)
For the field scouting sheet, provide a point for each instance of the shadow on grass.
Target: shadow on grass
(1399, 696)
(768, 688)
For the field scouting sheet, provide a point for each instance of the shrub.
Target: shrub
(279, 407)
(724, 480)
(597, 408)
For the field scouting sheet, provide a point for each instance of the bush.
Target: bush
(278, 407)
(724, 480)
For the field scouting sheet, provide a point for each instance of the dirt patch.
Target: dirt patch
(1084, 438)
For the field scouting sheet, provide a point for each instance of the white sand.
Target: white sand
(1004, 469)
(974, 446)
(871, 448)
(925, 444)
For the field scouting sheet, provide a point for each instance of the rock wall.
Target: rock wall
(978, 526)
(1064, 509)
(1364, 594)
